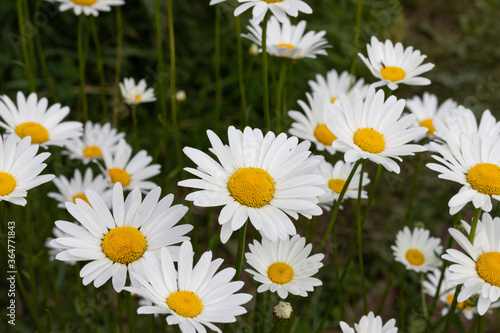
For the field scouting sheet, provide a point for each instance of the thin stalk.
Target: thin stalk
(360, 242)
(100, 67)
(480, 324)
(473, 227)
(218, 87)
(422, 296)
(118, 62)
(265, 83)
(340, 296)
(241, 249)
(130, 311)
(30, 306)
(371, 195)
(81, 69)
(31, 46)
(241, 76)
(279, 95)
(43, 62)
(402, 302)
(359, 10)
(440, 283)
(134, 120)
(413, 190)
(24, 46)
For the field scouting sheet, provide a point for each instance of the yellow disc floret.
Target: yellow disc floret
(324, 135)
(137, 98)
(84, 2)
(430, 126)
(37, 132)
(369, 140)
(392, 73)
(336, 185)
(272, 1)
(124, 244)
(333, 99)
(7, 183)
(185, 303)
(485, 178)
(92, 152)
(488, 267)
(253, 187)
(280, 273)
(80, 196)
(288, 46)
(465, 305)
(119, 175)
(415, 257)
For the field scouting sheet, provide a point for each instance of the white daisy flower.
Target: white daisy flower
(190, 296)
(335, 179)
(370, 324)
(134, 94)
(70, 190)
(261, 178)
(54, 251)
(336, 84)
(284, 266)
(478, 271)
(214, 2)
(130, 172)
(394, 65)
(280, 8)
(96, 139)
(32, 118)
(313, 123)
(287, 40)
(475, 164)
(427, 111)
(417, 250)
(372, 129)
(20, 169)
(117, 243)
(88, 7)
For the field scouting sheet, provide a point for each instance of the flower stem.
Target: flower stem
(134, 120)
(100, 67)
(473, 227)
(24, 46)
(279, 95)
(81, 67)
(241, 76)
(422, 295)
(241, 248)
(265, 83)
(402, 302)
(118, 62)
(43, 61)
(480, 324)
(413, 190)
(359, 10)
(360, 241)
(218, 87)
(130, 311)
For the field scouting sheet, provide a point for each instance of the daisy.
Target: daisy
(279, 8)
(335, 179)
(117, 243)
(20, 169)
(190, 296)
(475, 164)
(32, 118)
(287, 40)
(88, 7)
(130, 172)
(134, 94)
(70, 190)
(394, 65)
(417, 250)
(283, 311)
(334, 84)
(427, 111)
(284, 266)
(478, 271)
(96, 139)
(313, 123)
(372, 129)
(370, 324)
(54, 251)
(261, 178)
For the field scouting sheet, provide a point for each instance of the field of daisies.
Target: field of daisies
(250, 166)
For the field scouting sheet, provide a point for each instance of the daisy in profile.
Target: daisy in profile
(477, 270)
(54, 251)
(284, 266)
(96, 139)
(134, 94)
(393, 64)
(130, 172)
(374, 129)
(115, 243)
(20, 169)
(74, 188)
(370, 324)
(88, 7)
(287, 40)
(416, 250)
(313, 123)
(475, 164)
(33, 117)
(428, 111)
(279, 8)
(257, 177)
(191, 297)
(334, 84)
(335, 179)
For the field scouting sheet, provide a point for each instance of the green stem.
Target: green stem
(81, 67)
(30, 306)
(31, 46)
(360, 241)
(24, 46)
(241, 76)
(130, 311)
(265, 83)
(422, 296)
(359, 10)
(218, 87)
(118, 62)
(134, 120)
(480, 324)
(279, 95)
(340, 296)
(473, 227)
(43, 62)
(100, 66)
(413, 190)
(371, 195)
(241, 250)
(402, 302)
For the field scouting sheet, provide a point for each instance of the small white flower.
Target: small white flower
(336, 84)
(54, 251)
(88, 7)
(134, 94)
(280, 8)
(370, 324)
(283, 311)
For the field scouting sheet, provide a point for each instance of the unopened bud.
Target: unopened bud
(283, 311)
(180, 96)
(254, 50)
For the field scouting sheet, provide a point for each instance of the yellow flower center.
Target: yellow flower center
(333, 99)
(272, 1)
(7, 183)
(488, 267)
(84, 2)
(80, 196)
(185, 303)
(392, 73)
(485, 178)
(253, 187)
(37, 132)
(369, 140)
(428, 123)
(415, 257)
(280, 273)
(124, 244)
(336, 185)
(324, 135)
(288, 46)
(92, 152)
(119, 175)
(460, 305)
(138, 98)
